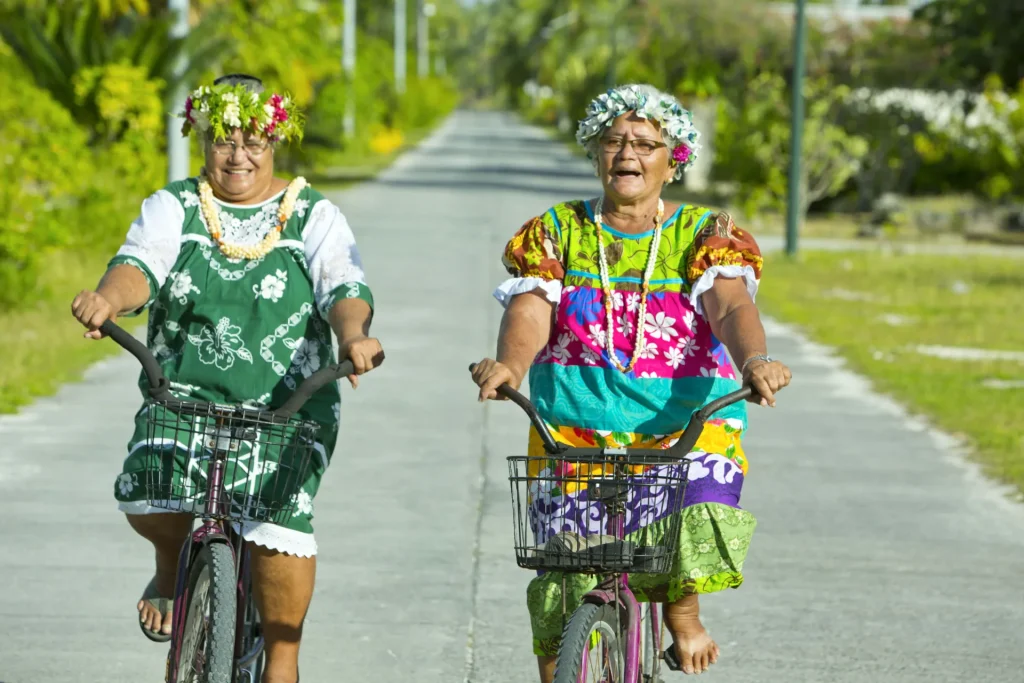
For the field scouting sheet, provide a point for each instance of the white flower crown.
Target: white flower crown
(676, 122)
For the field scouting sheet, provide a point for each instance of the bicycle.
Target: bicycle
(216, 635)
(604, 639)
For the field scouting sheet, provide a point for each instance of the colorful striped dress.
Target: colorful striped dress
(586, 401)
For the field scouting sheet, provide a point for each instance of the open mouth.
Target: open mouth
(238, 172)
(625, 173)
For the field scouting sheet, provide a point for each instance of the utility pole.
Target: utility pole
(796, 133)
(426, 10)
(177, 144)
(348, 65)
(400, 45)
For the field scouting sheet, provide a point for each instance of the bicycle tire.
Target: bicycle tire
(587, 618)
(650, 658)
(209, 618)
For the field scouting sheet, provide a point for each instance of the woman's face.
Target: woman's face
(633, 160)
(242, 171)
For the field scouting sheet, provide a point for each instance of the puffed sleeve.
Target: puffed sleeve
(153, 241)
(722, 250)
(333, 259)
(534, 260)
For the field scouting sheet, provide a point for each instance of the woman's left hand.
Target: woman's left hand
(767, 379)
(365, 353)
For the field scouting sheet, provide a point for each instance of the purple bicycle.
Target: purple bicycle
(244, 466)
(605, 512)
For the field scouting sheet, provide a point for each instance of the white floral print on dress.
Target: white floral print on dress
(126, 483)
(218, 346)
(303, 504)
(305, 355)
(659, 326)
(272, 286)
(181, 286)
(561, 350)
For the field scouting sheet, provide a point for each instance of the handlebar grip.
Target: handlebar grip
(312, 384)
(159, 385)
(550, 445)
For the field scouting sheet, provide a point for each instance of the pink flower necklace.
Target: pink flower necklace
(606, 288)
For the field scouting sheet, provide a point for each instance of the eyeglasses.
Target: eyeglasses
(642, 146)
(253, 147)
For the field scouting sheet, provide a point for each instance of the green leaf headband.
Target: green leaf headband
(676, 122)
(217, 110)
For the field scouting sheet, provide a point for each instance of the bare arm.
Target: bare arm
(122, 289)
(735, 321)
(525, 329)
(734, 318)
(350, 320)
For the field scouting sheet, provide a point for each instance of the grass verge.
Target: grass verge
(878, 309)
(42, 347)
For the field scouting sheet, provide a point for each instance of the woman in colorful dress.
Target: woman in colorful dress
(245, 276)
(622, 308)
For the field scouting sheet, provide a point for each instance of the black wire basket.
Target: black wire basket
(255, 462)
(602, 514)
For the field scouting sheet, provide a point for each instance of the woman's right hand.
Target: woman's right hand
(489, 374)
(92, 309)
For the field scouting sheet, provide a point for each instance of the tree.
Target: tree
(977, 38)
(755, 140)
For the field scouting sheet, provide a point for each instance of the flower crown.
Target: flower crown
(676, 122)
(216, 110)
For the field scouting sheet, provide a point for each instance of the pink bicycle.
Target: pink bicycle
(605, 512)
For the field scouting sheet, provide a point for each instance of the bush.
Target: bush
(46, 165)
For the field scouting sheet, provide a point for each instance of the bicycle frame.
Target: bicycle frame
(614, 589)
(211, 531)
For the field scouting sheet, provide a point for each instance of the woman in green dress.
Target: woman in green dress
(245, 276)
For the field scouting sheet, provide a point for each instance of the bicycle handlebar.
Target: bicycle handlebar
(159, 385)
(682, 447)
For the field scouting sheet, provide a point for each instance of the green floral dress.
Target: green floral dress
(239, 331)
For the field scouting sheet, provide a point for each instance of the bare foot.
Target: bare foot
(695, 649)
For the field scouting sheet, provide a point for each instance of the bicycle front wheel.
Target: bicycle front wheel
(592, 650)
(208, 641)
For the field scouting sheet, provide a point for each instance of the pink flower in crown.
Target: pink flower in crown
(269, 128)
(275, 101)
(280, 115)
(681, 154)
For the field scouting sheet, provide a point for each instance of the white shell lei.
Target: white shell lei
(606, 287)
(269, 241)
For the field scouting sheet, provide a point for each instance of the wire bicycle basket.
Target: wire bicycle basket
(599, 514)
(264, 461)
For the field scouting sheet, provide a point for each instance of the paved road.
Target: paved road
(880, 556)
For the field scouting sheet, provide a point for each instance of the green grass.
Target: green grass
(42, 347)
(840, 299)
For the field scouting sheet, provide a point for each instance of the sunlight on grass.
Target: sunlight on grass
(877, 308)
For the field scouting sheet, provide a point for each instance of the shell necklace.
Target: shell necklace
(606, 288)
(269, 241)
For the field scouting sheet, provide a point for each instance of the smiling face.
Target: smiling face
(634, 163)
(241, 175)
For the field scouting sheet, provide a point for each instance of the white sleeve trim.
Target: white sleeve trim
(707, 280)
(521, 285)
(331, 253)
(155, 236)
